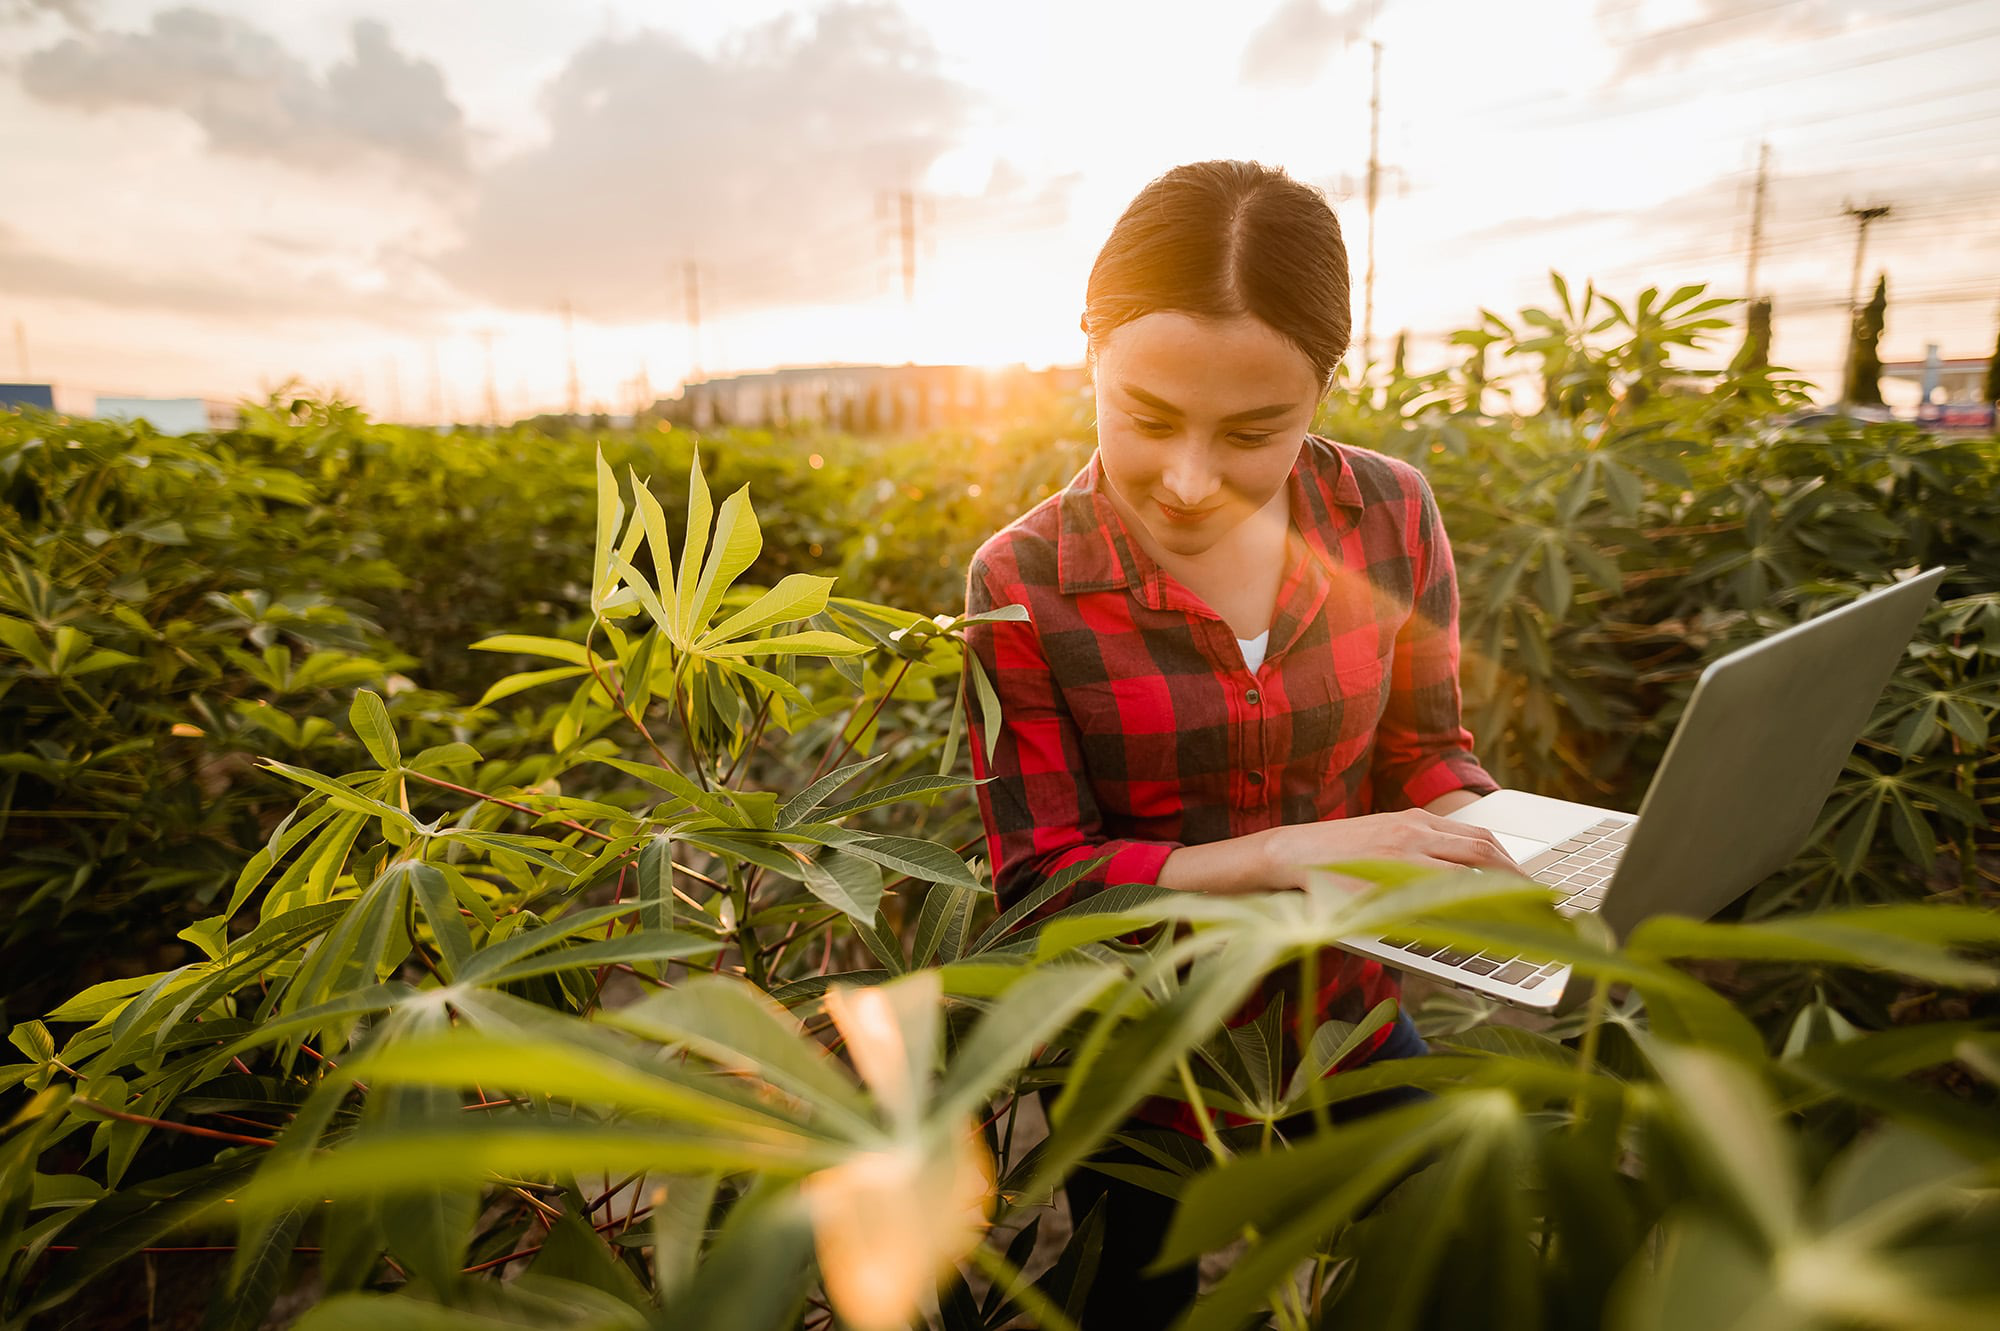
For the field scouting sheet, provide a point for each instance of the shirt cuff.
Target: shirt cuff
(1137, 862)
(1445, 775)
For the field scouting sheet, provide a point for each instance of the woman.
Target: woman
(1242, 650)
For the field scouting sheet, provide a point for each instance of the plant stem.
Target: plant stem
(1322, 1117)
(1200, 1107)
(848, 747)
(188, 1128)
(617, 692)
(510, 804)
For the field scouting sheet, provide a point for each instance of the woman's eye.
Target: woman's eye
(1155, 428)
(1248, 440)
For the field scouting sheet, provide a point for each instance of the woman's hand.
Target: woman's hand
(1413, 836)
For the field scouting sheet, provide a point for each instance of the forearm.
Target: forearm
(1238, 865)
(1452, 801)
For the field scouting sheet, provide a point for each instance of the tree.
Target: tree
(1992, 390)
(1864, 362)
(1755, 354)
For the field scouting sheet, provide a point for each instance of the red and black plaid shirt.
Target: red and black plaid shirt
(1130, 724)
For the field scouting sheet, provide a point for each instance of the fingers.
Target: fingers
(1475, 847)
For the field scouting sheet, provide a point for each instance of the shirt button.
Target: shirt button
(1254, 778)
(1253, 697)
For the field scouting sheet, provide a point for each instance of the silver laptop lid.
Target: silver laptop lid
(1758, 750)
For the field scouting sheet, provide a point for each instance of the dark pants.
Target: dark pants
(1136, 1218)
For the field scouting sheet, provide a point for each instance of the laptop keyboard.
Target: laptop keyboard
(1580, 868)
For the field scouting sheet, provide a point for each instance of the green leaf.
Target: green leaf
(343, 795)
(851, 884)
(1912, 940)
(543, 1065)
(813, 642)
(575, 1252)
(656, 883)
(731, 1023)
(440, 907)
(1031, 1013)
(694, 552)
(989, 703)
(522, 644)
(1043, 892)
(796, 596)
(738, 541)
(609, 511)
(259, 1274)
(923, 860)
(680, 1223)
(947, 910)
(654, 519)
(796, 808)
(894, 792)
(650, 945)
(529, 1301)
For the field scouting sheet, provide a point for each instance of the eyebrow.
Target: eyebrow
(1254, 414)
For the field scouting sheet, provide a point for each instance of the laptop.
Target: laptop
(1750, 765)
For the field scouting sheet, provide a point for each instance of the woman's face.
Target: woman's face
(1199, 423)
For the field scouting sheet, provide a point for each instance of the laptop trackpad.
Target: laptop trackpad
(1529, 824)
(1520, 847)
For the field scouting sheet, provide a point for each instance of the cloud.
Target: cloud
(73, 12)
(252, 97)
(765, 162)
(283, 293)
(1721, 23)
(1294, 43)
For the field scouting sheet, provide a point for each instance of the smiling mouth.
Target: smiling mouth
(1183, 515)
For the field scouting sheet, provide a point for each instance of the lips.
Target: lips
(1183, 516)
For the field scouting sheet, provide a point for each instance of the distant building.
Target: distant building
(170, 415)
(41, 397)
(1950, 391)
(869, 399)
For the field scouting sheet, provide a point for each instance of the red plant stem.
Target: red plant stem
(617, 691)
(233, 1118)
(880, 703)
(612, 1191)
(610, 927)
(188, 1128)
(205, 1248)
(509, 804)
(750, 744)
(523, 1252)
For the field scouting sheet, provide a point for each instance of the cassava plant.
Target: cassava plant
(700, 1050)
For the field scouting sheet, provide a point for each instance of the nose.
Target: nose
(1189, 477)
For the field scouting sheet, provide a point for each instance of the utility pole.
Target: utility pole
(569, 350)
(909, 210)
(1862, 217)
(21, 348)
(438, 413)
(1757, 223)
(492, 393)
(642, 385)
(1374, 191)
(691, 277)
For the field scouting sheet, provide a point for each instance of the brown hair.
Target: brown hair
(1221, 239)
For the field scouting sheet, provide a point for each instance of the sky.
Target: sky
(213, 198)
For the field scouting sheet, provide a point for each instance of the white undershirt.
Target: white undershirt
(1253, 649)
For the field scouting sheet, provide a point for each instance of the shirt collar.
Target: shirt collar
(1095, 550)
